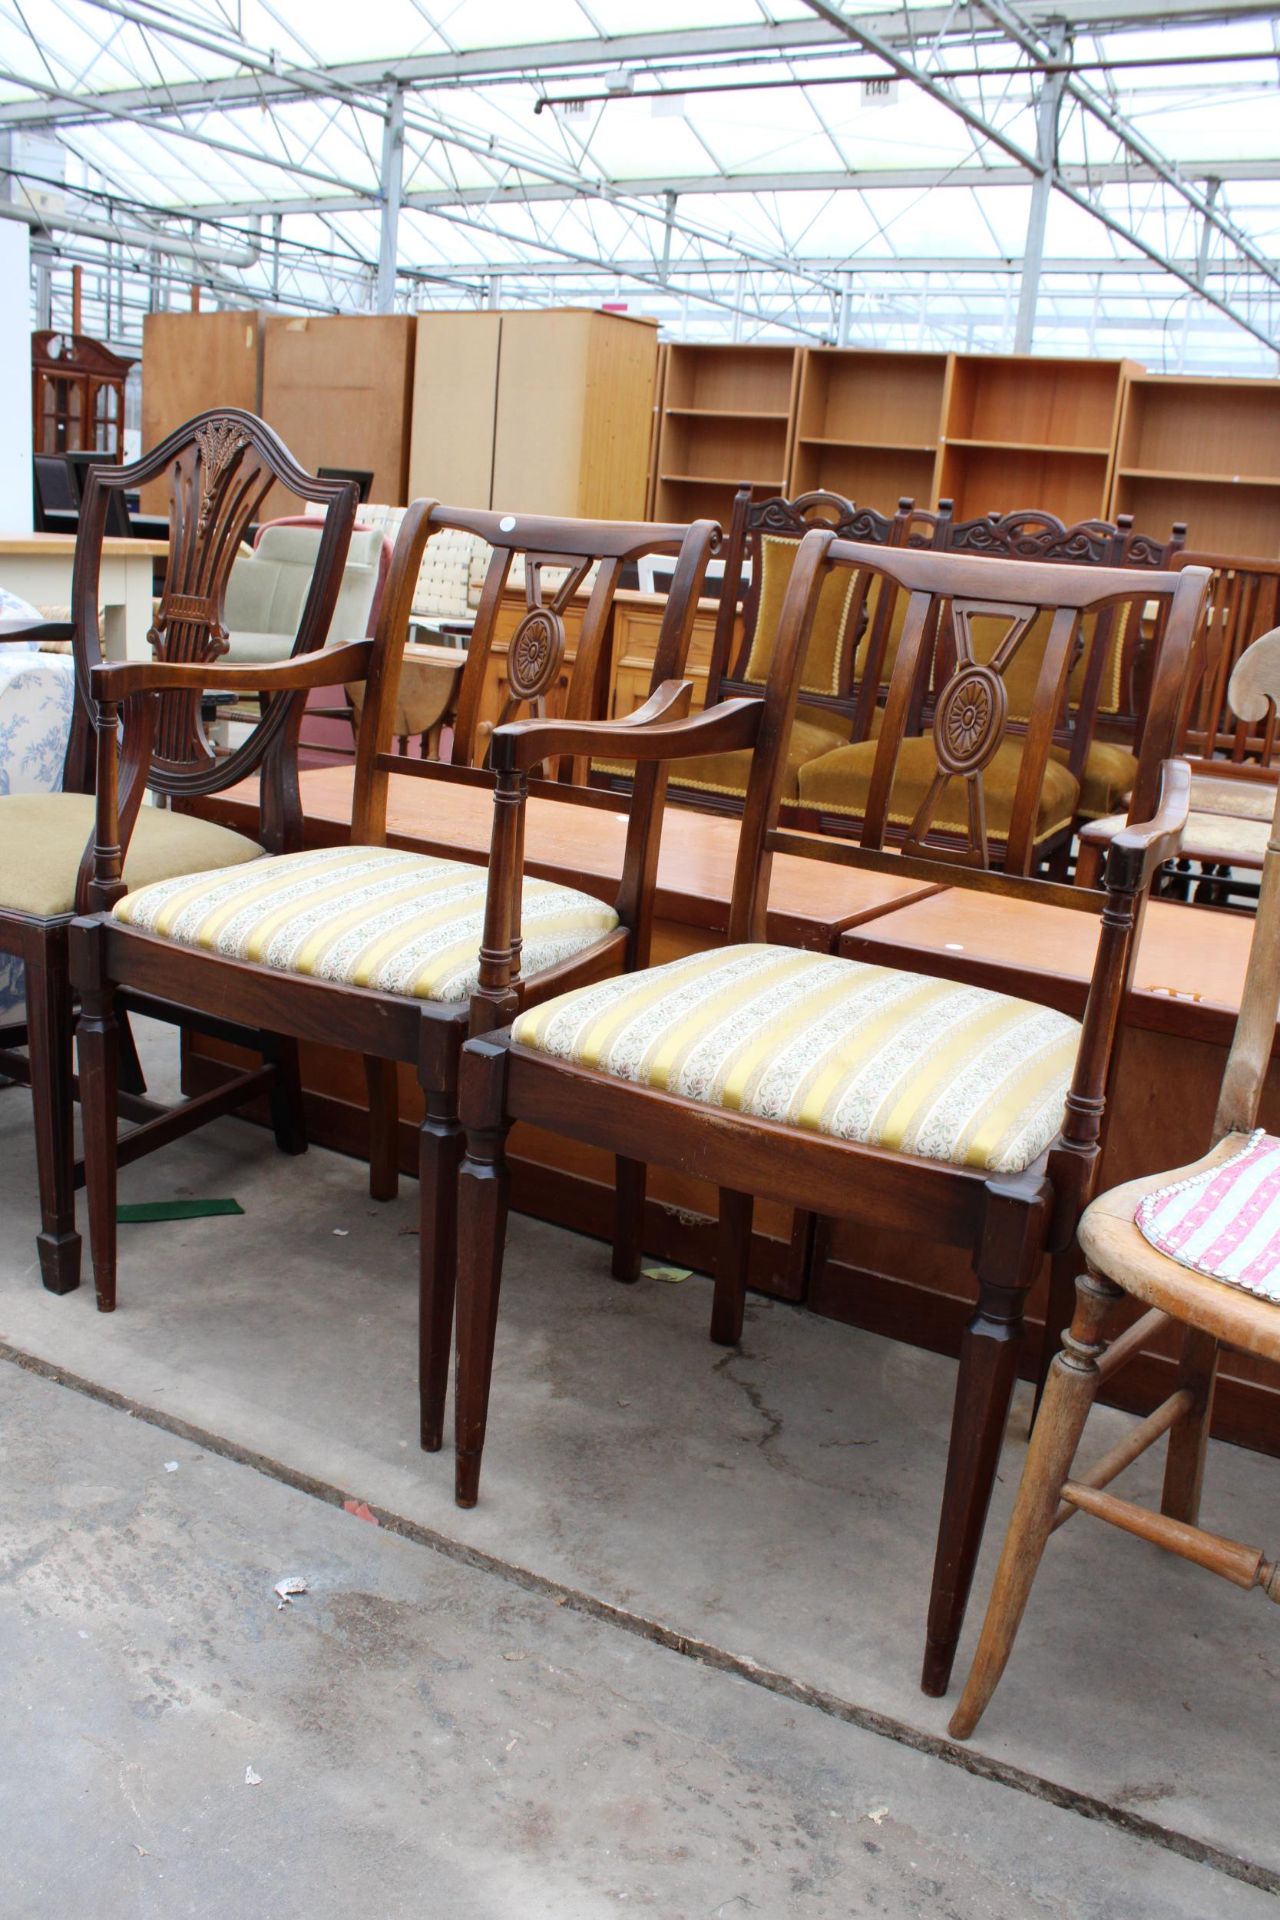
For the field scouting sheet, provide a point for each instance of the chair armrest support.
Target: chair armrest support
(1135, 854)
(645, 735)
(43, 630)
(117, 680)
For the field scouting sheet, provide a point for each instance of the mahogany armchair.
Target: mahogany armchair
(962, 1115)
(1206, 1261)
(1086, 776)
(359, 945)
(219, 466)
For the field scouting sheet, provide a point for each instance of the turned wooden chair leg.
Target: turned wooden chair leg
(1010, 1251)
(1072, 1388)
(482, 1226)
(439, 1156)
(49, 1029)
(733, 1257)
(98, 1043)
(382, 1084)
(288, 1125)
(1189, 1439)
(628, 1218)
(1059, 1307)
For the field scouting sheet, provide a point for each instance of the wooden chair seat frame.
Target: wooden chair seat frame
(114, 963)
(220, 466)
(1009, 1221)
(1122, 1267)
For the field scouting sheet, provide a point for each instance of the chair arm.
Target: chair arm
(43, 630)
(644, 735)
(116, 680)
(1134, 854)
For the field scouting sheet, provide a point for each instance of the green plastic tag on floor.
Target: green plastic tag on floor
(673, 1275)
(139, 1211)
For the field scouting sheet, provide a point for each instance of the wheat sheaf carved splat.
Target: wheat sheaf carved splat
(969, 721)
(219, 484)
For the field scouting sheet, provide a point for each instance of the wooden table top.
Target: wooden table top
(1188, 979)
(57, 546)
(811, 902)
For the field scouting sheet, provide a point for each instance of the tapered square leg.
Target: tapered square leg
(382, 1082)
(482, 1227)
(98, 1044)
(628, 1217)
(1011, 1248)
(49, 1031)
(733, 1258)
(440, 1144)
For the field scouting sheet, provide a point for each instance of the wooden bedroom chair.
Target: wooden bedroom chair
(219, 467)
(850, 1090)
(360, 945)
(1199, 1248)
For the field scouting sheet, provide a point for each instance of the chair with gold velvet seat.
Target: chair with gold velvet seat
(219, 468)
(759, 552)
(1087, 777)
(365, 947)
(965, 1116)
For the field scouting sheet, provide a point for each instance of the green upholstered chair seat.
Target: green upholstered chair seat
(839, 782)
(44, 836)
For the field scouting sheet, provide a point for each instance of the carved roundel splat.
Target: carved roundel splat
(969, 722)
(537, 649)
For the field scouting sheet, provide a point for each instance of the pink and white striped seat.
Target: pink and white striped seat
(1223, 1221)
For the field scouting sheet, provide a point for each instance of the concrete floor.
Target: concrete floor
(667, 1665)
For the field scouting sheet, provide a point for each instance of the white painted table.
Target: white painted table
(38, 566)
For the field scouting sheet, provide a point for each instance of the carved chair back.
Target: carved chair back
(569, 551)
(1109, 660)
(760, 550)
(219, 466)
(1244, 602)
(992, 611)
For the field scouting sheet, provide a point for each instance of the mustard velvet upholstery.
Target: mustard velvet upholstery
(365, 917)
(824, 656)
(863, 1053)
(729, 772)
(44, 836)
(839, 783)
(1110, 771)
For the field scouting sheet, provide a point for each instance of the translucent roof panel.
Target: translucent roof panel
(750, 169)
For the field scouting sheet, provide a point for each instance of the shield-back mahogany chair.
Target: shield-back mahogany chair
(219, 467)
(954, 1112)
(360, 945)
(1210, 1222)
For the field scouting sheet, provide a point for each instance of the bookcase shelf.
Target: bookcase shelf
(727, 416)
(1206, 451)
(868, 424)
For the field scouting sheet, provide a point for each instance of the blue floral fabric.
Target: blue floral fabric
(37, 692)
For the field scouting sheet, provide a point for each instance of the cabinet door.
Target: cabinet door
(455, 388)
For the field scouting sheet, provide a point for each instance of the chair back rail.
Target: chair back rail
(535, 654)
(219, 465)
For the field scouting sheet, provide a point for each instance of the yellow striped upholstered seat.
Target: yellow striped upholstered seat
(363, 916)
(863, 1053)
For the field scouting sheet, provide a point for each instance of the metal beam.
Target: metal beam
(391, 183)
(975, 119)
(657, 187)
(1047, 106)
(906, 27)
